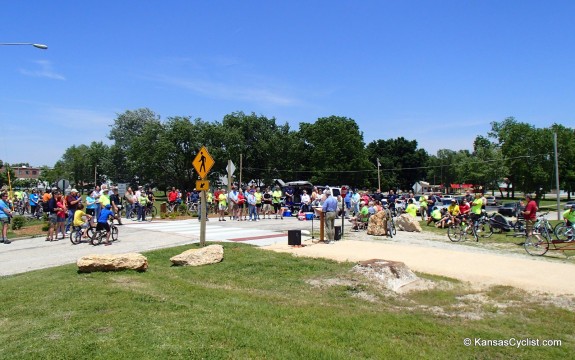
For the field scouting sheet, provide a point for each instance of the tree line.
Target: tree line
(147, 150)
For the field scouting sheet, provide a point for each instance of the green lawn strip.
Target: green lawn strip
(256, 304)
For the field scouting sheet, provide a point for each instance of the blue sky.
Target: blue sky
(438, 72)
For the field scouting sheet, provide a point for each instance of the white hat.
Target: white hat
(73, 190)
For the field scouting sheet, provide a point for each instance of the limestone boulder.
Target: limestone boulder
(377, 224)
(211, 254)
(392, 274)
(406, 222)
(112, 262)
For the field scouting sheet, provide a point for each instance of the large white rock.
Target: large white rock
(111, 262)
(408, 223)
(203, 256)
(392, 274)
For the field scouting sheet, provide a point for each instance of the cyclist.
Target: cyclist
(105, 214)
(476, 205)
(116, 204)
(530, 215)
(569, 217)
(172, 197)
(453, 211)
(79, 216)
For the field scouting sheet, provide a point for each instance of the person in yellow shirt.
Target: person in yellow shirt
(453, 211)
(222, 205)
(411, 208)
(476, 206)
(79, 216)
(423, 207)
(258, 194)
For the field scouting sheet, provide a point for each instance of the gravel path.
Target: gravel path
(435, 254)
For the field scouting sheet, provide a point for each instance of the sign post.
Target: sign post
(203, 163)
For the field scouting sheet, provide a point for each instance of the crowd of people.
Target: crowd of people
(249, 203)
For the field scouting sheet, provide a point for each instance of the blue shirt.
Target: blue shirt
(330, 204)
(34, 199)
(104, 214)
(3, 207)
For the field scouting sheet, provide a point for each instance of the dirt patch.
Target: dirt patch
(30, 231)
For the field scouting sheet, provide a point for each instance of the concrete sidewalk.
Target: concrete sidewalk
(35, 253)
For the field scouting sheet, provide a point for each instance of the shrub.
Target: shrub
(46, 227)
(18, 222)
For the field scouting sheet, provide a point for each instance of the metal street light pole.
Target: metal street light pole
(39, 46)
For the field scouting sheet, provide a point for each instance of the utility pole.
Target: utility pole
(557, 176)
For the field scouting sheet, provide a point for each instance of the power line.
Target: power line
(393, 169)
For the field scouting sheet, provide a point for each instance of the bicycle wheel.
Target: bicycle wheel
(455, 232)
(564, 232)
(543, 231)
(154, 211)
(519, 227)
(134, 214)
(475, 232)
(536, 247)
(485, 230)
(183, 210)
(114, 235)
(90, 232)
(148, 215)
(76, 236)
(96, 238)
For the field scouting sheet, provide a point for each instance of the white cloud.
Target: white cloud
(45, 70)
(255, 94)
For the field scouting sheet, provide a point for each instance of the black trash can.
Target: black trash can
(337, 235)
(294, 237)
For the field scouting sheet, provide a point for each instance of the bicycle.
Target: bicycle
(76, 235)
(459, 230)
(564, 232)
(543, 227)
(192, 207)
(391, 229)
(99, 235)
(171, 207)
(148, 212)
(39, 213)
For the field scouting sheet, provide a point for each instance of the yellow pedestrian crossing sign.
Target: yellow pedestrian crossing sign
(203, 162)
(202, 185)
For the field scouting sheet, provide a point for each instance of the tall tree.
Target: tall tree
(403, 164)
(74, 160)
(528, 153)
(261, 142)
(566, 157)
(335, 152)
(488, 165)
(127, 127)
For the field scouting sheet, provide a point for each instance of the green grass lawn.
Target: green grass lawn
(259, 304)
